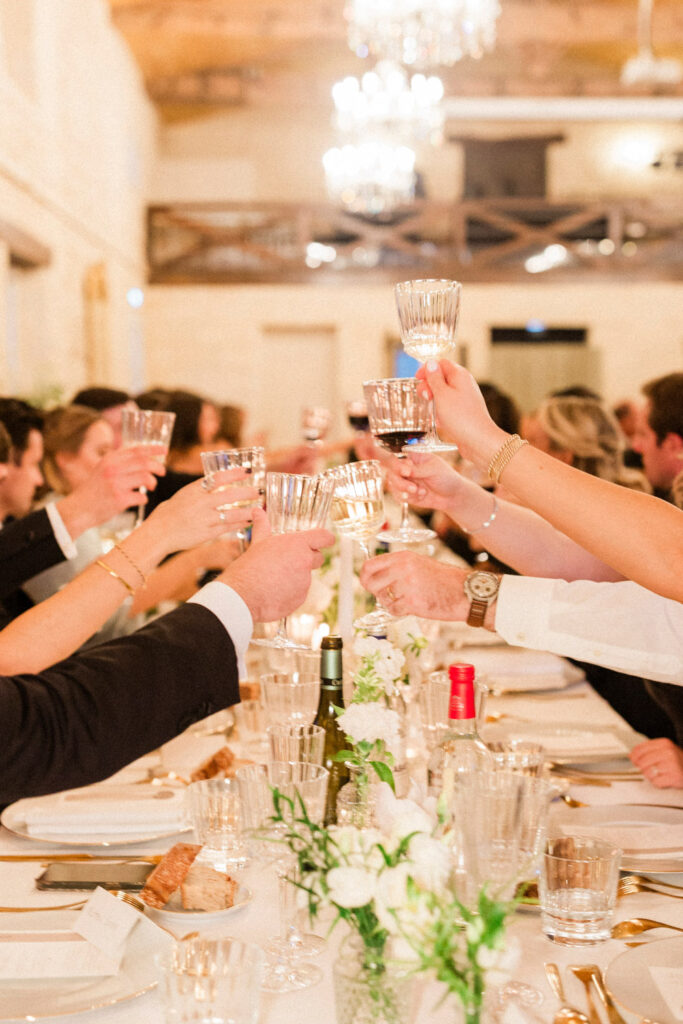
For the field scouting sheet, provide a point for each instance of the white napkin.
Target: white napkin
(517, 668)
(633, 839)
(52, 954)
(669, 981)
(107, 809)
(561, 742)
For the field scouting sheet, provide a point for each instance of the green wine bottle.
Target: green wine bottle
(331, 696)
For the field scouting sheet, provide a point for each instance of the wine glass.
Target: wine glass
(428, 313)
(295, 502)
(357, 415)
(290, 698)
(315, 422)
(253, 460)
(150, 427)
(399, 417)
(358, 511)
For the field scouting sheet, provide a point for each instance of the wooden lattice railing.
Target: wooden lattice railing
(472, 240)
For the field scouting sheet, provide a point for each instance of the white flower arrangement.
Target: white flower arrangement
(395, 891)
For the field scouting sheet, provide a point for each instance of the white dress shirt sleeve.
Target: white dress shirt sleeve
(621, 626)
(62, 535)
(228, 606)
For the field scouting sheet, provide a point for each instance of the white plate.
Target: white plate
(629, 980)
(582, 818)
(183, 919)
(13, 818)
(36, 999)
(615, 768)
(563, 742)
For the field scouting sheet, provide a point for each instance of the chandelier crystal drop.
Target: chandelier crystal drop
(372, 178)
(422, 33)
(384, 99)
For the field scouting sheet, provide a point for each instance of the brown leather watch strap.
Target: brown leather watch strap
(477, 612)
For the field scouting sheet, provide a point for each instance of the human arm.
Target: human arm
(516, 535)
(638, 535)
(91, 714)
(661, 762)
(619, 625)
(53, 629)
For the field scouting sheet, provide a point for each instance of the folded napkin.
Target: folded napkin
(516, 668)
(633, 839)
(107, 809)
(561, 742)
(669, 981)
(52, 954)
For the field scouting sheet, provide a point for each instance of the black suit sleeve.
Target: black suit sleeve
(86, 717)
(27, 546)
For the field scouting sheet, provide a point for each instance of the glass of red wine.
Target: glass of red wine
(357, 415)
(399, 417)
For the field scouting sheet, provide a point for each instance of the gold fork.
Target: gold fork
(628, 886)
(643, 880)
(30, 910)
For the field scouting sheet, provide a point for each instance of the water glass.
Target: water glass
(309, 781)
(498, 829)
(215, 812)
(210, 981)
(250, 719)
(290, 698)
(521, 756)
(577, 886)
(304, 743)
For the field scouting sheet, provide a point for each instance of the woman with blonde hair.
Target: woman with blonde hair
(583, 433)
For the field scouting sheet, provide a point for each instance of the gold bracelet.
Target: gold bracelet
(132, 563)
(501, 458)
(115, 575)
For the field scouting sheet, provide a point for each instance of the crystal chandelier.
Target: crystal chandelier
(372, 178)
(422, 33)
(384, 99)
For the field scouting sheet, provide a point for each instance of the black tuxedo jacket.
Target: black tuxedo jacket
(86, 717)
(27, 546)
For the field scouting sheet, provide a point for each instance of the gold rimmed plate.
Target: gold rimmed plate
(39, 999)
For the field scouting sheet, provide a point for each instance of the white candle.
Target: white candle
(345, 605)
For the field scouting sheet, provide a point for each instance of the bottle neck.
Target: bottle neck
(462, 726)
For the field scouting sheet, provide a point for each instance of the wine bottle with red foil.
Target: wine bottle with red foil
(462, 751)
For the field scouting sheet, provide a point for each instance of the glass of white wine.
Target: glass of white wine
(399, 418)
(358, 511)
(428, 313)
(295, 502)
(252, 460)
(146, 427)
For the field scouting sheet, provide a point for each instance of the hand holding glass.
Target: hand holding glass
(146, 427)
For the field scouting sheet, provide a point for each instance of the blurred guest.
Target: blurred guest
(627, 416)
(659, 433)
(232, 419)
(109, 402)
(195, 430)
(33, 541)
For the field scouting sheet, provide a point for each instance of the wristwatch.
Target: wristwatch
(482, 588)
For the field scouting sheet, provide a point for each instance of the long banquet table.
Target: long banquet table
(258, 921)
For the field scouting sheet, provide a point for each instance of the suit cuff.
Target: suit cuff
(60, 531)
(228, 606)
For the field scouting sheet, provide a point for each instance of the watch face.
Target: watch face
(482, 585)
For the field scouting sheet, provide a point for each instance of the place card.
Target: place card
(669, 981)
(105, 922)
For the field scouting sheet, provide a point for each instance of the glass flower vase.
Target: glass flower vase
(356, 799)
(370, 992)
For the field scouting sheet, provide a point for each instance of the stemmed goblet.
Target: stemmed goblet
(358, 511)
(150, 427)
(428, 314)
(399, 417)
(252, 460)
(295, 502)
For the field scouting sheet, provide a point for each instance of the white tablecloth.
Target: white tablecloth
(578, 705)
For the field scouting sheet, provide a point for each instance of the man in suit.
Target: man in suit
(659, 434)
(84, 718)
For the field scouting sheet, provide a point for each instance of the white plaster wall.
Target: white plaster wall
(76, 142)
(211, 339)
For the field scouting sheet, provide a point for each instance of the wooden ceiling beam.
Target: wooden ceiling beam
(545, 22)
